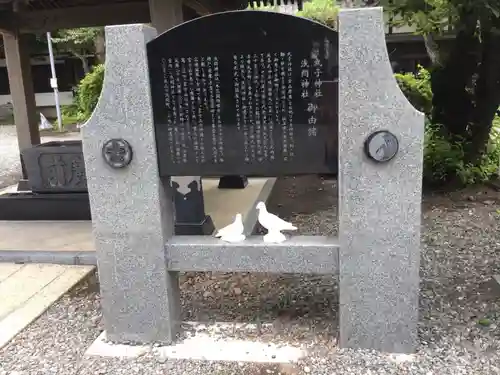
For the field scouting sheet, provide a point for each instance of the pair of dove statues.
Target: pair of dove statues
(274, 225)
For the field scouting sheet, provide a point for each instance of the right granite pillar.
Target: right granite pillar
(380, 182)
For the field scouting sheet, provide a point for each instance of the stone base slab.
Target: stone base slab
(204, 345)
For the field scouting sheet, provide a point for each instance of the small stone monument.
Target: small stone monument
(259, 96)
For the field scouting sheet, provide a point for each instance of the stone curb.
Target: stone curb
(76, 258)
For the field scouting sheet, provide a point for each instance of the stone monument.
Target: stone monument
(255, 101)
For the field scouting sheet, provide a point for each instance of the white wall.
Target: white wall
(43, 99)
(41, 60)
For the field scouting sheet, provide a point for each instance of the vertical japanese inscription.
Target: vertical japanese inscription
(270, 107)
(184, 109)
(218, 120)
(192, 110)
(192, 94)
(311, 72)
(259, 129)
(166, 68)
(236, 79)
(263, 103)
(199, 108)
(268, 151)
(211, 101)
(289, 106)
(244, 105)
(213, 83)
(251, 108)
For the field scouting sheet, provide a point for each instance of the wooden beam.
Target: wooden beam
(100, 15)
(165, 14)
(88, 16)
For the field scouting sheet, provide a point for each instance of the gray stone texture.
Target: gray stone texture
(132, 209)
(379, 212)
(299, 254)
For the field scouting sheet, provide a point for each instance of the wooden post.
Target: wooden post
(21, 89)
(165, 14)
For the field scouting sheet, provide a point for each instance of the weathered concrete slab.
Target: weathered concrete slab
(205, 345)
(46, 236)
(8, 269)
(25, 283)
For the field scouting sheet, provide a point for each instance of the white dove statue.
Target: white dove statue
(233, 232)
(273, 224)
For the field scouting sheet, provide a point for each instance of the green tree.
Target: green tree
(82, 42)
(322, 11)
(465, 77)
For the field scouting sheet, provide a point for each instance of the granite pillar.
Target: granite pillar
(379, 203)
(132, 208)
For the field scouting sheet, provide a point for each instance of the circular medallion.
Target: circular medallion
(117, 153)
(381, 146)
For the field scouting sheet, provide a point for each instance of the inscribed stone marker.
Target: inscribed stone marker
(258, 100)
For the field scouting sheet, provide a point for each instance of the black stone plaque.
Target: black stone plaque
(245, 93)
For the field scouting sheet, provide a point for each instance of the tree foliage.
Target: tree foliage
(417, 88)
(87, 95)
(465, 78)
(322, 11)
(81, 42)
(81, 38)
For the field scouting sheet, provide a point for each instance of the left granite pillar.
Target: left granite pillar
(132, 207)
(21, 90)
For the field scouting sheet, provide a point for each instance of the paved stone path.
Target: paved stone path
(10, 166)
(27, 290)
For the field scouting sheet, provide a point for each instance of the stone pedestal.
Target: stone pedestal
(190, 217)
(55, 167)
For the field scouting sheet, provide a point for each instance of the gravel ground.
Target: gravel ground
(10, 166)
(459, 311)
